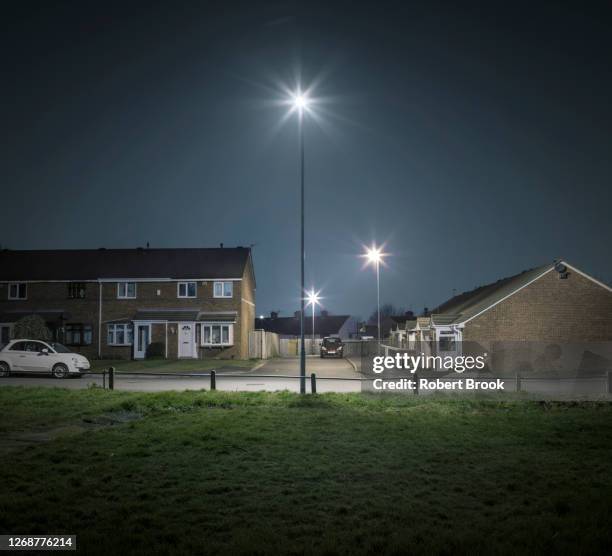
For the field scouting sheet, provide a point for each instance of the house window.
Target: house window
(187, 289)
(217, 334)
(18, 290)
(78, 334)
(76, 290)
(223, 289)
(120, 335)
(126, 290)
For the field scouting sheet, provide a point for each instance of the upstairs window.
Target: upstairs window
(18, 290)
(223, 289)
(76, 290)
(126, 290)
(187, 289)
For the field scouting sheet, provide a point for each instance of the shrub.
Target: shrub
(32, 327)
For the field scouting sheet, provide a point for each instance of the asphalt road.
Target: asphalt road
(229, 379)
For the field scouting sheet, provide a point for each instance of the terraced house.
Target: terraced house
(134, 303)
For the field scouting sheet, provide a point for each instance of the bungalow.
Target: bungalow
(554, 304)
(325, 324)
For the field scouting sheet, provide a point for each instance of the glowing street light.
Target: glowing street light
(374, 256)
(313, 299)
(299, 101)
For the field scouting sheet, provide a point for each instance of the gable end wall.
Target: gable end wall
(550, 309)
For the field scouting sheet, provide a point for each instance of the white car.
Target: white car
(36, 356)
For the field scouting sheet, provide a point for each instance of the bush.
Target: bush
(32, 327)
(156, 349)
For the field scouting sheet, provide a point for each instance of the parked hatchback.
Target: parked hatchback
(331, 347)
(35, 356)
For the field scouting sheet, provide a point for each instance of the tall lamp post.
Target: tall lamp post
(299, 102)
(374, 256)
(313, 299)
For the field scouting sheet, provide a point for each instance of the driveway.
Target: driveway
(276, 371)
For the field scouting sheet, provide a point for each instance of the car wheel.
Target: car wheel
(4, 369)
(60, 371)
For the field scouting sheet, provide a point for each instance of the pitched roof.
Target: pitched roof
(91, 264)
(290, 326)
(468, 304)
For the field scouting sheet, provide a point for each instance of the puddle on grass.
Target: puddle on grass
(22, 439)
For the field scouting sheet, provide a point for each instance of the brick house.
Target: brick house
(554, 304)
(123, 303)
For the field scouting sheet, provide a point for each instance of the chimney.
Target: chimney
(297, 314)
(273, 314)
(325, 313)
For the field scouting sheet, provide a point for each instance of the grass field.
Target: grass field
(261, 473)
(170, 365)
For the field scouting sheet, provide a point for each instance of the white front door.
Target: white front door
(186, 339)
(142, 338)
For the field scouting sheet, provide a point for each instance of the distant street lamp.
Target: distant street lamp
(374, 255)
(313, 299)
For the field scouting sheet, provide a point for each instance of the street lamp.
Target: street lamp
(313, 299)
(299, 103)
(374, 255)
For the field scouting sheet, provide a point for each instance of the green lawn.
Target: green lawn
(171, 365)
(262, 473)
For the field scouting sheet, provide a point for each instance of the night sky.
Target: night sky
(473, 141)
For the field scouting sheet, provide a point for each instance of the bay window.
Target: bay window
(120, 335)
(77, 334)
(217, 335)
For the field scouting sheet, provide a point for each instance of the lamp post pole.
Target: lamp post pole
(378, 298)
(313, 332)
(302, 261)
(374, 256)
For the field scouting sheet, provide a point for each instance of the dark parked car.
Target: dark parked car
(331, 347)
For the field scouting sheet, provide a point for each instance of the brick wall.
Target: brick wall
(53, 296)
(48, 296)
(550, 310)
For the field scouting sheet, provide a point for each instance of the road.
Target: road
(275, 372)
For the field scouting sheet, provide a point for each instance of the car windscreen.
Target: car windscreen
(60, 348)
(331, 342)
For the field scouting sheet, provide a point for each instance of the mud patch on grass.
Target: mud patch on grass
(19, 440)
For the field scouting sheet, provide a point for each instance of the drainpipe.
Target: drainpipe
(99, 319)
